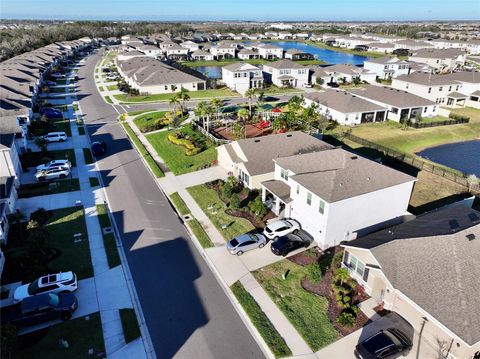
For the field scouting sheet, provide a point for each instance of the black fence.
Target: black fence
(415, 161)
(439, 123)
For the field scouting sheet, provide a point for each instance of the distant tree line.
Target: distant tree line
(14, 42)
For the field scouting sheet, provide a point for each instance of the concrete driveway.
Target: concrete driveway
(344, 347)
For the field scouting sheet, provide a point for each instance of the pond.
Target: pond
(462, 156)
(212, 72)
(329, 56)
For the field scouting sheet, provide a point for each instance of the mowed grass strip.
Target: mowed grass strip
(28, 190)
(175, 157)
(214, 208)
(260, 320)
(179, 203)
(131, 330)
(157, 171)
(200, 233)
(109, 242)
(222, 92)
(306, 311)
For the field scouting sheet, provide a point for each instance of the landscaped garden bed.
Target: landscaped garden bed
(152, 121)
(47, 244)
(109, 242)
(43, 188)
(180, 158)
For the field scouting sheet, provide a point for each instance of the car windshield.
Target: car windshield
(53, 299)
(234, 242)
(33, 287)
(377, 342)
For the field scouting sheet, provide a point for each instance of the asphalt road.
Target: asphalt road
(188, 315)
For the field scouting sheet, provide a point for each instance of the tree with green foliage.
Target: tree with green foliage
(234, 201)
(174, 102)
(216, 104)
(183, 96)
(250, 93)
(258, 208)
(42, 143)
(238, 131)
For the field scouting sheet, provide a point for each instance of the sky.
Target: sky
(273, 10)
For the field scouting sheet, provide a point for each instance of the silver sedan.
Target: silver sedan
(246, 242)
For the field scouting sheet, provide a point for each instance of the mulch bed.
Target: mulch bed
(324, 289)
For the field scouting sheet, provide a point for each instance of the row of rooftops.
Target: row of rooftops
(20, 77)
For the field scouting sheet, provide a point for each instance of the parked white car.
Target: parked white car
(54, 163)
(52, 173)
(56, 136)
(281, 228)
(52, 283)
(246, 242)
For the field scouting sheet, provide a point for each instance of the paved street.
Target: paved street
(188, 315)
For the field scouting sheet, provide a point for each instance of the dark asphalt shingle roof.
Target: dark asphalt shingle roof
(391, 96)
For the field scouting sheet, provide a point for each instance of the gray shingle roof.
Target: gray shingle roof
(391, 96)
(433, 262)
(336, 174)
(284, 64)
(438, 53)
(260, 151)
(279, 188)
(343, 101)
(240, 66)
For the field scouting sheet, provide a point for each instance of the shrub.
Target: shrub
(346, 319)
(41, 216)
(258, 207)
(234, 201)
(314, 272)
(457, 117)
(227, 190)
(32, 224)
(178, 139)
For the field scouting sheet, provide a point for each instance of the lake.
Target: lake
(212, 72)
(462, 156)
(329, 56)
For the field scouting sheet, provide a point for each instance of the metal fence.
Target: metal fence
(415, 161)
(439, 123)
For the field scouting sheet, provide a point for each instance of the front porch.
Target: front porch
(287, 81)
(456, 99)
(276, 195)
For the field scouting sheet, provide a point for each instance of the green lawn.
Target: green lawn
(62, 125)
(75, 107)
(391, 134)
(87, 154)
(43, 188)
(94, 182)
(174, 155)
(206, 198)
(81, 130)
(200, 233)
(471, 112)
(109, 242)
(273, 90)
(221, 92)
(33, 159)
(148, 118)
(131, 330)
(101, 89)
(306, 311)
(139, 112)
(157, 171)
(179, 204)
(112, 87)
(108, 99)
(260, 320)
(81, 335)
(434, 119)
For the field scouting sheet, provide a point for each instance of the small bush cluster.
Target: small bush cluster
(156, 125)
(179, 139)
(344, 288)
(457, 117)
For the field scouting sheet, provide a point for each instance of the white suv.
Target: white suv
(54, 163)
(58, 172)
(55, 137)
(51, 283)
(280, 228)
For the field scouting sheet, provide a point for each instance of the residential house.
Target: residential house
(345, 108)
(331, 193)
(387, 67)
(318, 75)
(347, 73)
(241, 76)
(301, 36)
(294, 54)
(474, 100)
(202, 55)
(383, 47)
(443, 60)
(412, 45)
(8, 202)
(128, 55)
(284, 35)
(400, 104)
(150, 50)
(270, 52)
(251, 159)
(10, 165)
(286, 73)
(150, 76)
(190, 45)
(248, 54)
(176, 52)
(426, 270)
(221, 52)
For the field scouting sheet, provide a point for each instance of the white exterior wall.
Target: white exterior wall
(301, 78)
(436, 94)
(216, 51)
(379, 69)
(176, 51)
(265, 53)
(10, 163)
(353, 118)
(166, 88)
(240, 84)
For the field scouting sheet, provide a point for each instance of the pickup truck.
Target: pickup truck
(39, 309)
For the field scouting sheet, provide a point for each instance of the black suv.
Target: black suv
(389, 343)
(286, 244)
(40, 308)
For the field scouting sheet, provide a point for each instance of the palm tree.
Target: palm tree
(216, 103)
(174, 101)
(202, 111)
(243, 115)
(249, 94)
(183, 96)
(260, 97)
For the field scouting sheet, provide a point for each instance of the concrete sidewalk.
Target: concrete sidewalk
(171, 183)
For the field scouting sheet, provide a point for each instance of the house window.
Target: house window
(429, 90)
(298, 189)
(424, 109)
(394, 110)
(309, 198)
(449, 88)
(440, 89)
(284, 174)
(356, 265)
(321, 207)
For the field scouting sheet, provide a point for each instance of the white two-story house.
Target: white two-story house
(223, 52)
(286, 73)
(443, 60)
(241, 76)
(270, 52)
(387, 67)
(336, 195)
